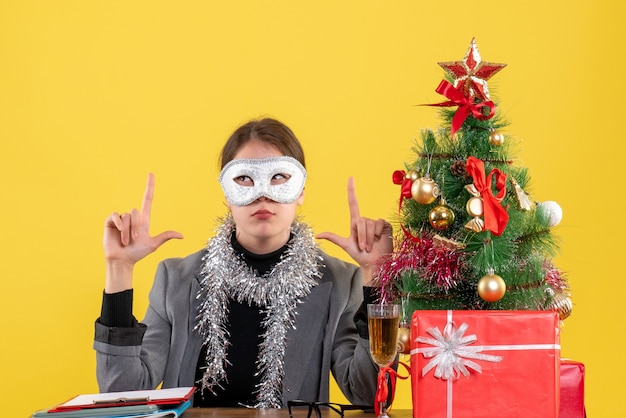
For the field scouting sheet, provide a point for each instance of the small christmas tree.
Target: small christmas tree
(472, 236)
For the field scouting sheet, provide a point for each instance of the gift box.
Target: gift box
(572, 403)
(485, 364)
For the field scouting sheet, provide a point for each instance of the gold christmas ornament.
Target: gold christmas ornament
(439, 241)
(404, 340)
(562, 304)
(474, 207)
(412, 175)
(424, 190)
(496, 138)
(491, 287)
(441, 217)
(522, 198)
(475, 224)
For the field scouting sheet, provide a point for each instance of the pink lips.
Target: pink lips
(262, 214)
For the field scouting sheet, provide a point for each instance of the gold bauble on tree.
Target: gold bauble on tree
(562, 304)
(412, 175)
(404, 340)
(424, 190)
(491, 287)
(496, 138)
(441, 217)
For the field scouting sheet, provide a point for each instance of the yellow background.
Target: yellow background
(95, 94)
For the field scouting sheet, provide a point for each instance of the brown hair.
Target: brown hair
(266, 130)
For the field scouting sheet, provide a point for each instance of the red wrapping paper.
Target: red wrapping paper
(572, 403)
(523, 383)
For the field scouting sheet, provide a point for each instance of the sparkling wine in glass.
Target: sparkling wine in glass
(383, 321)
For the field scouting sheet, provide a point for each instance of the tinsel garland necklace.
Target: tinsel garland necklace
(225, 275)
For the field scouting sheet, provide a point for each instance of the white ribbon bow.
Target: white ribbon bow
(450, 352)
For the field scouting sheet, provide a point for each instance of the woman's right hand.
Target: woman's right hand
(127, 240)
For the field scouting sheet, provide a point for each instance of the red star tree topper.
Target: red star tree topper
(471, 74)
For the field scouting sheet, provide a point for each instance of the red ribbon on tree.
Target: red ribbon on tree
(466, 106)
(496, 217)
(382, 389)
(399, 177)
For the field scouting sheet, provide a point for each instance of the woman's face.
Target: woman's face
(264, 225)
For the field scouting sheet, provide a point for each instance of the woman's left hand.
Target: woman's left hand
(368, 241)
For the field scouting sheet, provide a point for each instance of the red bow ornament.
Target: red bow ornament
(405, 181)
(496, 217)
(400, 177)
(466, 106)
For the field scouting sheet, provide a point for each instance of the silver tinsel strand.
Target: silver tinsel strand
(225, 275)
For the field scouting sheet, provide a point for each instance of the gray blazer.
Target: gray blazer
(165, 349)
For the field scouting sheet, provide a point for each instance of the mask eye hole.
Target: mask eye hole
(245, 181)
(279, 178)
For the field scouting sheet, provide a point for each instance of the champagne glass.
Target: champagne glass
(383, 321)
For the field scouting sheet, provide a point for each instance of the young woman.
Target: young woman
(261, 315)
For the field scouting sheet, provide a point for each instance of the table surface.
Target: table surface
(282, 413)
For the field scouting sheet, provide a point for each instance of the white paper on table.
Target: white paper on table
(133, 396)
